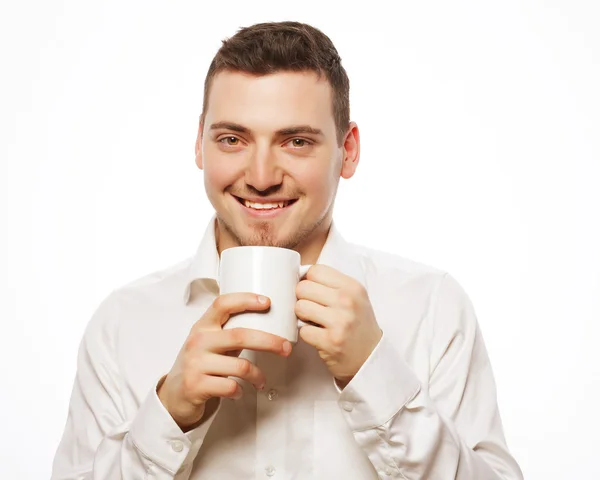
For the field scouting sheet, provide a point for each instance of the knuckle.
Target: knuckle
(271, 342)
(194, 341)
(190, 345)
(219, 303)
(236, 336)
(275, 343)
(243, 366)
(300, 307)
(231, 387)
(200, 392)
(313, 272)
(346, 299)
(300, 287)
(359, 290)
(346, 321)
(337, 342)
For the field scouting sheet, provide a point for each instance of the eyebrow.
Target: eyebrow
(293, 130)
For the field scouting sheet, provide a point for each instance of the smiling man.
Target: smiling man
(390, 379)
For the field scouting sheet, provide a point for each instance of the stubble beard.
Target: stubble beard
(263, 234)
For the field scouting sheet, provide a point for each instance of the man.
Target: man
(390, 379)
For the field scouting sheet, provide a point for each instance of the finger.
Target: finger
(315, 336)
(242, 368)
(313, 312)
(211, 386)
(316, 292)
(246, 338)
(230, 303)
(326, 275)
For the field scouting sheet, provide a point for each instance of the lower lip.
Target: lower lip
(266, 212)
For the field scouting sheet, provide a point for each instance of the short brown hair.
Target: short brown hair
(267, 48)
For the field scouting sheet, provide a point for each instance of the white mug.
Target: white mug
(270, 271)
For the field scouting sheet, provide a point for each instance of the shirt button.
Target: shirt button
(272, 395)
(388, 471)
(347, 406)
(177, 446)
(270, 471)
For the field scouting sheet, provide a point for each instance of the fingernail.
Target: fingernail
(261, 386)
(287, 348)
(262, 299)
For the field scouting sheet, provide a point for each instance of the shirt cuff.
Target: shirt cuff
(159, 438)
(379, 390)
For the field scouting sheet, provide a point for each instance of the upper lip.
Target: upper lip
(266, 200)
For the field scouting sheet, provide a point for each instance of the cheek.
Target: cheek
(218, 174)
(319, 184)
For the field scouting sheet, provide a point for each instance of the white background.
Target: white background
(480, 155)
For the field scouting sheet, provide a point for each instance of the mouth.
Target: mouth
(265, 208)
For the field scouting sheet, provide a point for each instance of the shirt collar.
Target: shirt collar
(341, 255)
(204, 269)
(203, 272)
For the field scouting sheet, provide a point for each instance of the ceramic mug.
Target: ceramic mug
(270, 271)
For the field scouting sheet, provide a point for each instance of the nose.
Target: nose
(263, 170)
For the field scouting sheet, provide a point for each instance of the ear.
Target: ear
(199, 145)
(351, 151)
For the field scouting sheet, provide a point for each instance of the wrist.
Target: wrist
(161, 392)
(187, 417)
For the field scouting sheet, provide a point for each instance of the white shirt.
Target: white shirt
(423, 406)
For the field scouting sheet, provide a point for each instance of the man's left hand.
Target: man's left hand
(345, 331)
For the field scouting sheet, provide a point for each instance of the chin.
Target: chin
(263, 235)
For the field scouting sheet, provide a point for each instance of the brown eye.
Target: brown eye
(299, 143)
(231, 141)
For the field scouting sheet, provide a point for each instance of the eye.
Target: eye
(299, 143)
(231, 141)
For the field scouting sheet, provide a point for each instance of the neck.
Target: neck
(310, 249)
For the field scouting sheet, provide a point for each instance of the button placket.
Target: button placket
(271, 430)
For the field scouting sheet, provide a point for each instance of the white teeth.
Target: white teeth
(264, 206)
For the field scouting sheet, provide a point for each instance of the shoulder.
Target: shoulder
(379, 264)
(415, 300)
(152, 290)
(387, 274)
(172, 273)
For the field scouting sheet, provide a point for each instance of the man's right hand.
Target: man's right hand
(210, 355)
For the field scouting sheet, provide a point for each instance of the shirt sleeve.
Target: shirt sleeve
(449, 430)
(99, 442)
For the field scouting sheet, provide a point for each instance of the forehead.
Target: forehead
(270, 102)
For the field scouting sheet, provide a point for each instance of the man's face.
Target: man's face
(270, 157)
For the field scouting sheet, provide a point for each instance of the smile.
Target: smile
(265, 207)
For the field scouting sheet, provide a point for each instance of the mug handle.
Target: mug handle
(303, 271)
